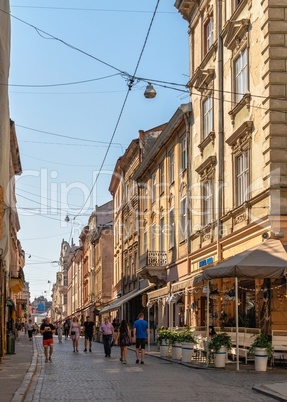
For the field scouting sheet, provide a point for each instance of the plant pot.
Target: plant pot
(219, 357)
(187, 351)
(164, 349)
(260, 359)
(176, 351)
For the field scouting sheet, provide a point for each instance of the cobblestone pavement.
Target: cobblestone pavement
(93, 377)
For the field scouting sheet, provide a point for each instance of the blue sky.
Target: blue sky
(64, 125)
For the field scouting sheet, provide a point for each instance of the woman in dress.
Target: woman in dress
(75, 331)
(124, 340)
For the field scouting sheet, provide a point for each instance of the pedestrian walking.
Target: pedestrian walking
(88, 333)
(123, 340)
(66, 329)
(140, 335)
(47, 330)
(107, 330)
(75, 331)
(30, 329)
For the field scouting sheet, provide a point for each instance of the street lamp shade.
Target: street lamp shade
(150, 92)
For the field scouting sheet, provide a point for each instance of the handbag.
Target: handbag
(73, 333)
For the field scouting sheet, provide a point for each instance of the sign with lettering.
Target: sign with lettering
(206, 261)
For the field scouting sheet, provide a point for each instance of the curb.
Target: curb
(262, 389)
(24, 387)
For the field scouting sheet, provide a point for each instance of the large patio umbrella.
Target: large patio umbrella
(267, 260)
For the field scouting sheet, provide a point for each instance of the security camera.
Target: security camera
(265, 235)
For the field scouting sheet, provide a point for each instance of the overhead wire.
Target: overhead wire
(130, 85)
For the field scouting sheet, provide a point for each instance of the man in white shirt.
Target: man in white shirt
(107, 330)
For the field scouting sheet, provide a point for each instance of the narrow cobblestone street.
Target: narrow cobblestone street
(93, 377)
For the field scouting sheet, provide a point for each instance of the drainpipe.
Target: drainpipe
(220, 151)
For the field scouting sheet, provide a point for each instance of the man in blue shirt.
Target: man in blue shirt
(140, 335)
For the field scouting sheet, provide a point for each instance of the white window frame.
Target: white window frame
(171, 167)
(209, 34)
(207, 107)
(183, 154)
(207, 204)
(241, 75)
(171, 228)
(242, 177)
(161, 178)
(162, 234)
(153, 187)
(183, 219)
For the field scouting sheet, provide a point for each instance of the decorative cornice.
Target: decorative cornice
(241, 137)
(234, 31)
(201, 79)
(207, 169)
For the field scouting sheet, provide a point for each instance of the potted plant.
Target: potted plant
(220, 344)
(262, 349)
(175, 342)
(188, 340)
(163, 339)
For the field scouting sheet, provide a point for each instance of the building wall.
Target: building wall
(253, 125)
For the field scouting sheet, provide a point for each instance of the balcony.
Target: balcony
(152, 266)
(17, 282)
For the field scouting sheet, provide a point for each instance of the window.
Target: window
(162, 238)
(183, 219)
(153, 187)
(153, 237)
(171, 167)
(207, 207)
(208, 34)
(207, 116)
(183, 154)
(242, 177)
(171, 228)
(145, 247)
(161, 178)
(241, 75)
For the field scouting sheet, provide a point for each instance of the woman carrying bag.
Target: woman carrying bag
(123, 340)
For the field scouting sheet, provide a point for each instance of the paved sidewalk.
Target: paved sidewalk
(17, 371)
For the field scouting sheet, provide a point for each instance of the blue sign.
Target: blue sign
(205, 262)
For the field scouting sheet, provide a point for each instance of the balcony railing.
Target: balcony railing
(152, 266)
(156, 258)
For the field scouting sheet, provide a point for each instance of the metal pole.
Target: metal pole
(236, 322)
(207, 324)
(148, 321)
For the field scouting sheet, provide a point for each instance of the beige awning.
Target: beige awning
(116, 304)
(155, 294)
(267, 260)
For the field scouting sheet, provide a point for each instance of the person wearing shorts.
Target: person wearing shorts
(140, 335)
(47, 330)
(89, 331)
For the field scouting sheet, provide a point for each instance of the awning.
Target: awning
(180, 285)
(267, 260)
(10, 303)
(116, 304)
(158, 293)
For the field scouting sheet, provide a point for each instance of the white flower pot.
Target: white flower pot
(187, 351)
(219, 357)
(176, 351)
(164, 349)
(260, 359)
